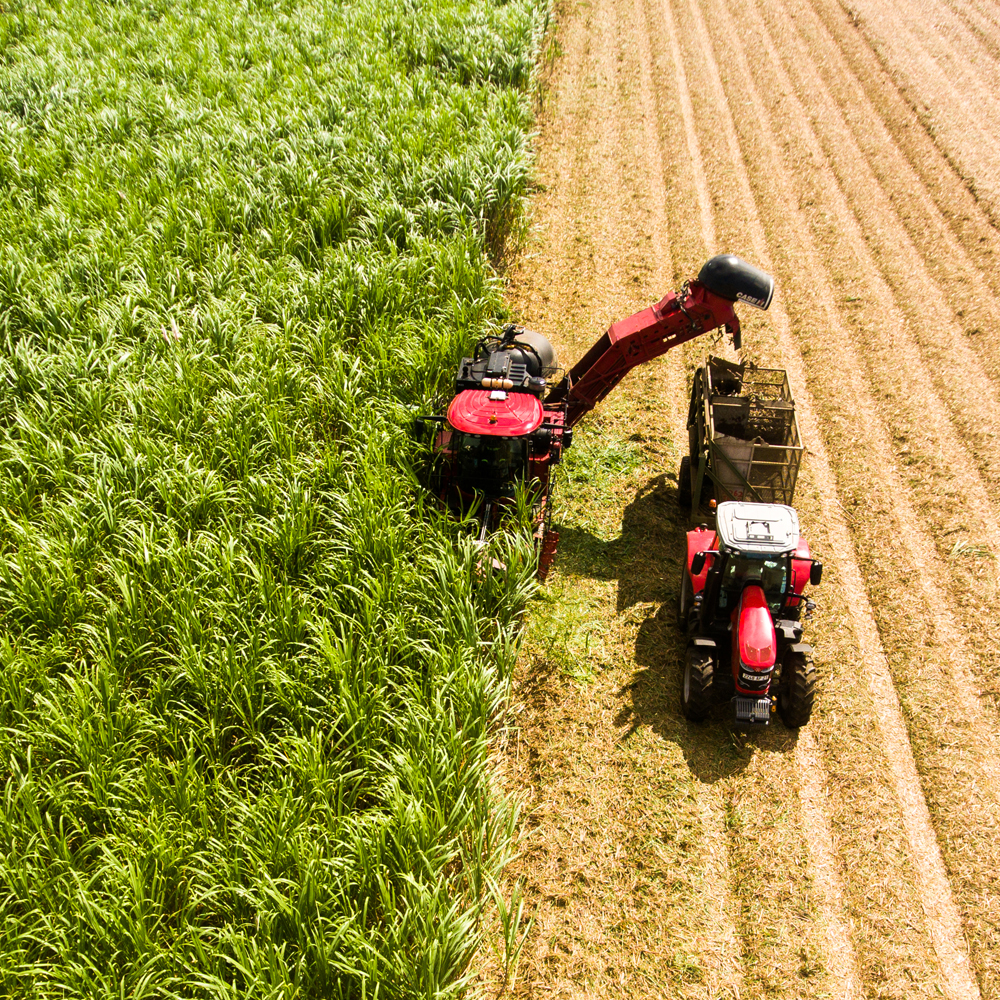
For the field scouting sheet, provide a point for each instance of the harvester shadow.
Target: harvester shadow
(646, 559)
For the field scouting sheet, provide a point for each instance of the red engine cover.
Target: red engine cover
(756, 636)
(475, 411)
(754, 643)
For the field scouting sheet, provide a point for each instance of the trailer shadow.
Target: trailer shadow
(646, 560)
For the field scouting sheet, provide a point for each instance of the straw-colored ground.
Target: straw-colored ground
(854, 152)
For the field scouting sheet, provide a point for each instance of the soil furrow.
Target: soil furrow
(856, 856)
(914, 314)
(984, 12)
(927, 43)
(604, 872)
(873, 198)
(952, 116)
(966, 218)
(947, 38)
(700, 184)
(961, 740)
(841, 961)
(928, 427)
(718, 900)
(776, 776)
(943, 918)
(982, 27)
(912, 198)
(668, 372)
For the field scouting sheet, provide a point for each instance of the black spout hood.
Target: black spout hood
(732, 278)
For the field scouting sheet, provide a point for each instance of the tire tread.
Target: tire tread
(698, 671)
(798, 689)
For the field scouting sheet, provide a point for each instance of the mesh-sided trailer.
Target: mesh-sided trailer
(743, 436)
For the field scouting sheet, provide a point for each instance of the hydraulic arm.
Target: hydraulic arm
(700, 306)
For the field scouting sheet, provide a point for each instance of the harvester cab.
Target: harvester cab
(511, 419)
(741, 603)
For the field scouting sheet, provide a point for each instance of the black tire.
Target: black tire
(685, 599)
(696, 689)
(797, 689)
(684, 483)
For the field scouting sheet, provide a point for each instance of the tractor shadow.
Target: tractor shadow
(646, 560)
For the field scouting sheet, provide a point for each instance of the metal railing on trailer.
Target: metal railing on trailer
(743, 434)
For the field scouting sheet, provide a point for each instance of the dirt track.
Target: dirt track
(853, 152)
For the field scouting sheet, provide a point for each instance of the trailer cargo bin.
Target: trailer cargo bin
(743, 435)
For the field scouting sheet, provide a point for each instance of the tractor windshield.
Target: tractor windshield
(488, 463)
(740, 569)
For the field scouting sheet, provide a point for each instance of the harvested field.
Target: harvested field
(853, 152)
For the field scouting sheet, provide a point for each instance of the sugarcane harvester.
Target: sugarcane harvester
(508, 425)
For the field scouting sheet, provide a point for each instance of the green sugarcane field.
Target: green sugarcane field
(250, 672)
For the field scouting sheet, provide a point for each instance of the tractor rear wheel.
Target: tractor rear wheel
(696, 691)
(685, 600)
(684, 483)
(797, 689)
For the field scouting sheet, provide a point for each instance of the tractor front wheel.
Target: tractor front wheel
(797, 689)
(696, 691)
(685, 600)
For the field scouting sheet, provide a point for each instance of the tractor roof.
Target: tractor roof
(758, 528)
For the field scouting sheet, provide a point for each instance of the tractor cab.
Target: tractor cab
(514, 408)
(756, 542)
(740, 569)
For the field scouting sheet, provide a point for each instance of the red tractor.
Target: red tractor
(506, 428)
(742, 600)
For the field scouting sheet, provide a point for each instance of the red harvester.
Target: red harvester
(507, 427)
